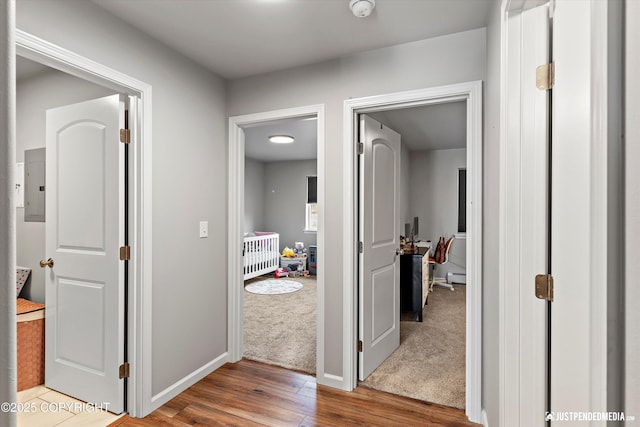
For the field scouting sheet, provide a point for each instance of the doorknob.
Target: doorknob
(399, 252)
(47, 263)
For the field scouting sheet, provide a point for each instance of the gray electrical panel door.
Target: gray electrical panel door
(34, 185)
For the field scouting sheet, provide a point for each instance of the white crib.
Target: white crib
(261, 254)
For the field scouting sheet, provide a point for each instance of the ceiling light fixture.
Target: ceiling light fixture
(362, 8)
(281, 139)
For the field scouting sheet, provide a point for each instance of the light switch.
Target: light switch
(204, 229)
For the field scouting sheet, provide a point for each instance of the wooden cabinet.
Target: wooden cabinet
(414, 283)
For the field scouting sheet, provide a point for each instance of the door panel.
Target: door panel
(526, 216)
(84, 230)
(81, 186)
(379, 284)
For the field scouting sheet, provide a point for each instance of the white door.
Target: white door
(526, 212)
(379, 283)
(84, 230)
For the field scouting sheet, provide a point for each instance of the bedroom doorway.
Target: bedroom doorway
(428, 360)
(471, 94)
(276, 201)
(280, 245)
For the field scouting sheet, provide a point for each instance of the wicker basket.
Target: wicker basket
(30, 318)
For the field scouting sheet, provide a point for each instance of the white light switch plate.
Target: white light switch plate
(204, 229)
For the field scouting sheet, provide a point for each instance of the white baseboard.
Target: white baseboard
(179, 386)
(329, 380)
(485, 421)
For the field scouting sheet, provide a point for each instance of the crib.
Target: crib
(261, 254)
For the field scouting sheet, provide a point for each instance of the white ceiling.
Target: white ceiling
(257, 145)
(239, 38)
(432, 127)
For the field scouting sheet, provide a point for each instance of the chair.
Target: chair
(440, 281)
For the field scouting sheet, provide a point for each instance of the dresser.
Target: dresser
(414, 283)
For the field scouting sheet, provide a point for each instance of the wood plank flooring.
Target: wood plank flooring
(249, 393)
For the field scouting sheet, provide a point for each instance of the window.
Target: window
(311, 223)
(462, 200)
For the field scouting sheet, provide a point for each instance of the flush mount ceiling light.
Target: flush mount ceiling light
(281, 139)
(362, 8)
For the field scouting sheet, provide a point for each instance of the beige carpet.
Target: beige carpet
(281, 329)
(430, 363)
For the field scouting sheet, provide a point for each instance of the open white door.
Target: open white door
(84, 231)
(379, 283)
(524, 221)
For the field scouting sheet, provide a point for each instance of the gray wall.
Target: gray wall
(189, 178)
(275, 199)
(253, 195)
(459, 58)
(433, 197)
(490, 239)
(33, 97)
(285, 198)
(405, 180)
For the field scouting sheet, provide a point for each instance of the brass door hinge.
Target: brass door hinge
(359, 346)
(125, 253)
(544, 287)
(360, 148)
(124, 370)
(125, 136)
(545, 76)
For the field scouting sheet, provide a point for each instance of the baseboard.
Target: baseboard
(485, 421)
(179, 386)
(329, 380)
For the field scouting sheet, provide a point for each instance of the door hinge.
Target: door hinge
(125, 253)
(125, 136)
(124, 370)
(544, 287)
(545, 76)
(360, 148)
(359, 346)
(360, 247)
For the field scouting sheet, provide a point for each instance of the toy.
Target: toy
(287, 252)
(281, 272)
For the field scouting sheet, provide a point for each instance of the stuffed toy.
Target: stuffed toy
(287, 252)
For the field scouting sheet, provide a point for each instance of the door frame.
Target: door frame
(139, 398)
(471, 92)
(235, 223)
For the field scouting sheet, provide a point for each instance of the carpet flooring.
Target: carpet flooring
(429, 365)
(281, 329)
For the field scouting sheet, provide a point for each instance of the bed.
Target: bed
(261, 253)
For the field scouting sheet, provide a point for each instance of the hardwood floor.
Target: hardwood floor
(249, 393)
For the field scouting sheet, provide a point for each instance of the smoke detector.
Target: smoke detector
(362, 8)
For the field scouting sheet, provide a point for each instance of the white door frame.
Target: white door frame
(471, 92)
(236, 224)
(139, 401)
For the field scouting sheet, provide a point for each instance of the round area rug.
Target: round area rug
(273, 287)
